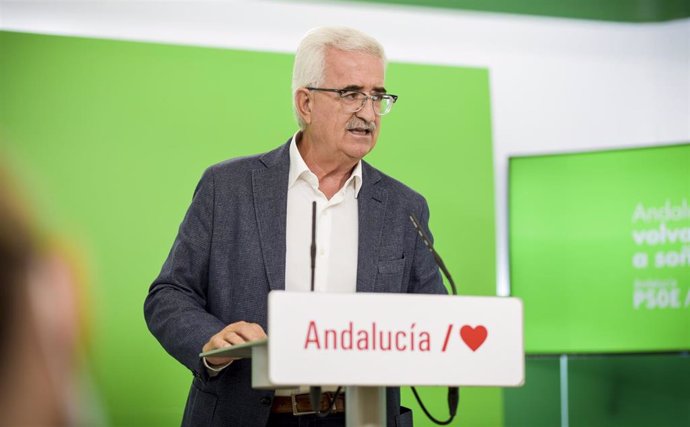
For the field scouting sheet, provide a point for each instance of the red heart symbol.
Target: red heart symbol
(473, 337)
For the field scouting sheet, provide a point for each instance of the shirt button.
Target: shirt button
(266, 401)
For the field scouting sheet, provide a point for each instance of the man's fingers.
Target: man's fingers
(221, 340)
(248, 331)
(233, 338)
(234, 334)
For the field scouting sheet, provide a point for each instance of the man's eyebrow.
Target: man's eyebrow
(359, 89)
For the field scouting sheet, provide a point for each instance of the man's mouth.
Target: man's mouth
(360, 131)
(359, 127)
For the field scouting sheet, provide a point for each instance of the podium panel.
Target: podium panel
(378, 339)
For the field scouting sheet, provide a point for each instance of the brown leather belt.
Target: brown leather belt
(299, 404)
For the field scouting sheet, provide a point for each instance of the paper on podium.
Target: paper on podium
(238, 351)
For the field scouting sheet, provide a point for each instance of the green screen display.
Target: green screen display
(600, 249)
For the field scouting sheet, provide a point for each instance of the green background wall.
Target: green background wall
(111, 138)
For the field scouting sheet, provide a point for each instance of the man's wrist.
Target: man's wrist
(213, 370)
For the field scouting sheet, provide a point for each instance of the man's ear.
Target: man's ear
(303, 104)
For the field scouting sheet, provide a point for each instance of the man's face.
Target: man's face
(332, 124)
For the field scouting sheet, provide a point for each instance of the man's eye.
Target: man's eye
(350, 96)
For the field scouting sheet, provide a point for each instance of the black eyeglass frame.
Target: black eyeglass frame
(376, 97)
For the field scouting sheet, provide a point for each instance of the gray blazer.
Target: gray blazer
(230, 252)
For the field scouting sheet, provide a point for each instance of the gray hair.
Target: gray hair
(309, 65)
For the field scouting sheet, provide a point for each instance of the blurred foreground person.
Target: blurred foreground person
(40, 324)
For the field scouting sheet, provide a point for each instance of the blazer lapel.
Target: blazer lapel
(371, 209)
(269, 186)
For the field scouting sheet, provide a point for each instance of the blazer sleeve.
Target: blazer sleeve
(175, 308)
(425, 276)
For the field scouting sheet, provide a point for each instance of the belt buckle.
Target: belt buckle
(294, 407)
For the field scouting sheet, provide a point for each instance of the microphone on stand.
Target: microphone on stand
(437, 257)
(313, 243)
(453, 392)
(314, 392)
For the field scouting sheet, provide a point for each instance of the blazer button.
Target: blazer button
(266, 401)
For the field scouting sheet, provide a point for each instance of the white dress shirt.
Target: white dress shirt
(337, 230)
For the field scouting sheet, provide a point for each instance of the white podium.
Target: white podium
(366, 342)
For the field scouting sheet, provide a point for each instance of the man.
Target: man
(248, 232)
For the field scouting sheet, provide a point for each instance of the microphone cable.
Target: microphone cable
(331, 404)
(453, 392)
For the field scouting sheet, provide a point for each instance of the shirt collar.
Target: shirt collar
(356, 176)
(297, 165)
(298, 168)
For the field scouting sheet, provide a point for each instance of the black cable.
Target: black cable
(331, 405)
(453, 392)
(453, 399)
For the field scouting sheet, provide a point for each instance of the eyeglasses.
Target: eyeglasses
(355, 101)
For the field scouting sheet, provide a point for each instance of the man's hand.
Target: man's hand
(233, 334)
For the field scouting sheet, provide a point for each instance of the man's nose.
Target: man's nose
(367, 111)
